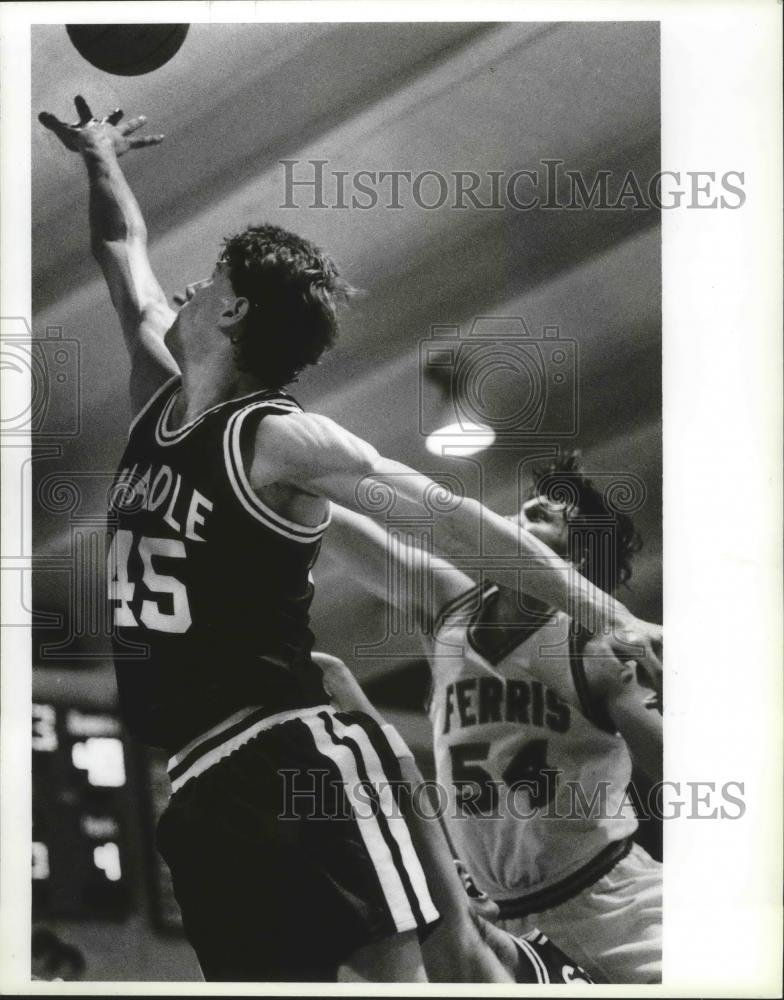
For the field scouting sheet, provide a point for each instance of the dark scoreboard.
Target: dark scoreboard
(96, 799)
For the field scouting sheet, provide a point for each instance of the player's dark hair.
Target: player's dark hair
(294, 291)
(606, 566)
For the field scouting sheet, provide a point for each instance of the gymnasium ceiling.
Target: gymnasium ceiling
(445, 97)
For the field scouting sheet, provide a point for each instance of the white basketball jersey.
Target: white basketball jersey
(535, 779)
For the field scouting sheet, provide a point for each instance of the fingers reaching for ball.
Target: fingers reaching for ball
(67, 134)
(132, 124)
(107, 134)
(83, 110)
(48, 120)
(145, 140)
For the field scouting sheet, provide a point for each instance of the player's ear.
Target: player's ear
(232, 318)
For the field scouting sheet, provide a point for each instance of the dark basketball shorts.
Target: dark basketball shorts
(287, 846)
(540, 961)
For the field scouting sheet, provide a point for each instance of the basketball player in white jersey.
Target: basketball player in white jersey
(532, 733)
(219, 507)
(531, 958)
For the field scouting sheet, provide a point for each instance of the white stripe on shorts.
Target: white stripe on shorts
(396, 823)
(369, 828)
(535, 958)
(228, 746)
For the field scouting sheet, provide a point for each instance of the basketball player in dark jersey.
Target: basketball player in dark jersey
(218, 510)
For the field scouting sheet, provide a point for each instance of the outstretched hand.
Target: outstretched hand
(90, 133)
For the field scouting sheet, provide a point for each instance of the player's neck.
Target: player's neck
(208, 385)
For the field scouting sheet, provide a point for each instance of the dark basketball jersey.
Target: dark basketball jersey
(210, 588)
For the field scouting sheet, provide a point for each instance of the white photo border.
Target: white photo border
(722, 323)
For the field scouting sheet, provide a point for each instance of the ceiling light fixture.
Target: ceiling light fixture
(459, 440)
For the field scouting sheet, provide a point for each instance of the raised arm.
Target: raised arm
(317, 456)
(389, 568)
(119, 242)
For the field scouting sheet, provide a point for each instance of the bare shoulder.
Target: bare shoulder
(295, 445)
(297, 430)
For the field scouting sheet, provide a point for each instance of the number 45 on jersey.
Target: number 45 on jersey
(167, 608)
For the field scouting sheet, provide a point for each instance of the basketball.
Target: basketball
(127, 49)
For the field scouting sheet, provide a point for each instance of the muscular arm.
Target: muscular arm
(319, 457)
(386, 567)
(119, 243)
(372, 558)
